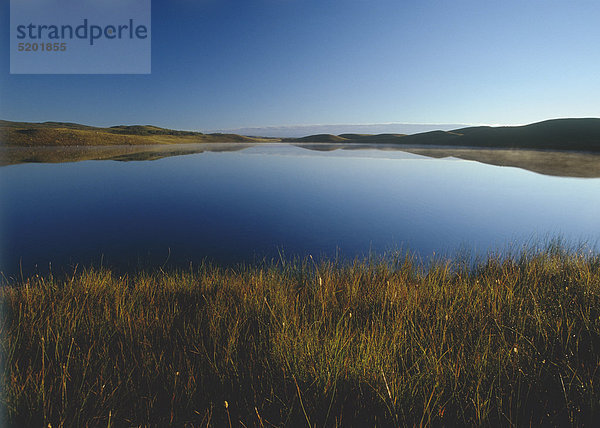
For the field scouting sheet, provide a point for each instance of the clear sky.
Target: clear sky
(220, 64)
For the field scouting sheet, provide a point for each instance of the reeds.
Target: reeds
(510, 341)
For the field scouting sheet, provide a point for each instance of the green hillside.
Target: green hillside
(557, 134)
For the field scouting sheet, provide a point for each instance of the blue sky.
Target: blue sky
(224, 64)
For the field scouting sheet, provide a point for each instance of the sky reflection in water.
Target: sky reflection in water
(243, 206)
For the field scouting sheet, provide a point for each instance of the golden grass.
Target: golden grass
(510, 341)
(60, 137)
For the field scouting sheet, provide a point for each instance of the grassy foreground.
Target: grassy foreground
(509, 342)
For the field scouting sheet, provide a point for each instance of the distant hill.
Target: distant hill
(25, 134)
(559, 134)
(319, 138)
(297, 131)
(556, 134)
(379, 138)
(346, 138)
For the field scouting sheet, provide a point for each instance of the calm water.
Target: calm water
(254, 203)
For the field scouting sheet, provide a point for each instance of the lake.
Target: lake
(269, 201)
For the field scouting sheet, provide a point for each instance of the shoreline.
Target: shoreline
(543, 161)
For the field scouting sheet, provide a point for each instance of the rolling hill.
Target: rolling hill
(24, 134)
(556, 134)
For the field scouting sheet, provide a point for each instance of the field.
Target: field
(511, 340)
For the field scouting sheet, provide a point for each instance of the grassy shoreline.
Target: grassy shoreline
(509, 341)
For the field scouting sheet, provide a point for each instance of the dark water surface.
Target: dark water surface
(242, 206)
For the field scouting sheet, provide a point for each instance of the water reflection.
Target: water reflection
(248, 204)
(563, 164)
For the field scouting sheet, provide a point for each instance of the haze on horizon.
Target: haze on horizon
(294, 131)
(231, 65)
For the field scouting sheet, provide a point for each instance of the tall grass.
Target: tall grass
(510, 341)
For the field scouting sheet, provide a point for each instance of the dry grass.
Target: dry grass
(52, 134)
(511, 341)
